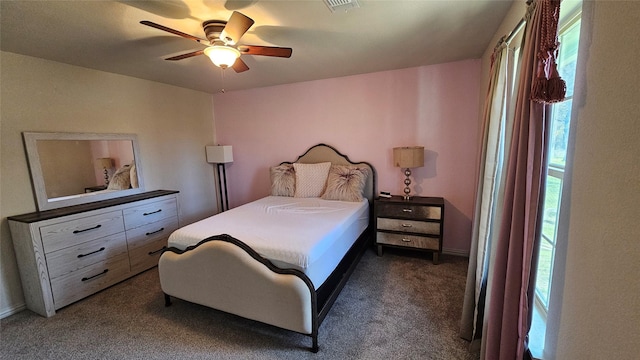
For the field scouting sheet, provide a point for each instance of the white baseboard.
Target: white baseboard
(455, 252)
(12, 310)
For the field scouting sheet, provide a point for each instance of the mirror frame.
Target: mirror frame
(37, 179)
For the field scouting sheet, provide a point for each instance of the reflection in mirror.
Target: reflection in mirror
(72, 168)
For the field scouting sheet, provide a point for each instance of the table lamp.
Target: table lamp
(105, 164)
(408, 157)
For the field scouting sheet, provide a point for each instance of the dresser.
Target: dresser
(69, 253)
(416, 223)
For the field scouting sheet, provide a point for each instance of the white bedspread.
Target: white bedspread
(290, 230)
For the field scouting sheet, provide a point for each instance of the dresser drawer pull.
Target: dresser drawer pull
(157, 251)
(83, 230)
(94, 276)
(406, 240)
(151, 213)
(155, 232)
(91, 253)
(407, 225)
(407, 210)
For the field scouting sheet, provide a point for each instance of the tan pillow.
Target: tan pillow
(283, 180)
(346, 183)
(133, 175)
(121, 180)
(311, 179)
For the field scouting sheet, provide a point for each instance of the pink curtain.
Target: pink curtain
(512, 285)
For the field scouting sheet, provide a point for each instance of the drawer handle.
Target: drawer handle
(407, 210)
(407, 225)
(83, 230)
(93, 252)
(157, 251)
(406, 240)
(155, 232)
(151, 213)
(95, 276)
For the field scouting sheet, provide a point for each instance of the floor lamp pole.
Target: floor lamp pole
(224, 201)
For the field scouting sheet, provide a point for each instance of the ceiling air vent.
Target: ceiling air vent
(345, 5)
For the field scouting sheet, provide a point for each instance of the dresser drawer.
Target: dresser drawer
(150, 212)
(408, 211)
(70, 233)
(88, 280)
(67, 260)
(146, 256)
(151, 232)
(406, 240)
(410, 226)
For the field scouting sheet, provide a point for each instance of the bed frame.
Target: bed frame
(224, 273)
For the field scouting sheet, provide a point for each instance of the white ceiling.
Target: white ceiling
(377, 36)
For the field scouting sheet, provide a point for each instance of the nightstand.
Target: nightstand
(416, 223)
(95, 188)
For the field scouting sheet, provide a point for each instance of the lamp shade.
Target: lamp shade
(104, 163)
(408, 156)
(219, 154)
(221, 55)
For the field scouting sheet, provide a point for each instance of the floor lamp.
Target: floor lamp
(221, 155)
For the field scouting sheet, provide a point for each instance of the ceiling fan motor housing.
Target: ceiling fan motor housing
(212, 30)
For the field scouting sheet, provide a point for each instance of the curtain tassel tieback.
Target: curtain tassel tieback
(548, 87)
(539, 86)
(556, 87)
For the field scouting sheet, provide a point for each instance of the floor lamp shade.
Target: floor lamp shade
(406, 158)
(219, 154)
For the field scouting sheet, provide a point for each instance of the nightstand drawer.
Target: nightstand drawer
(409, 226)
(404, 240)
(409, 211)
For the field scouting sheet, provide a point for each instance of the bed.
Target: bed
(283, 259)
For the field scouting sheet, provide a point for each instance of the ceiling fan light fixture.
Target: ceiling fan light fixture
(222, 56)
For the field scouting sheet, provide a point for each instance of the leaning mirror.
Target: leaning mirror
(77, 168)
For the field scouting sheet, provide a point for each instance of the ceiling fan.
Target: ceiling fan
(222, 39)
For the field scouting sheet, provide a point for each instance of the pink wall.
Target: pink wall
(364, 117)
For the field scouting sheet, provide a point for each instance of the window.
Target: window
(569, 35)
(559, 137)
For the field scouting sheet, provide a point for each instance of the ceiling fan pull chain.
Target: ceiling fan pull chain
(222, 82)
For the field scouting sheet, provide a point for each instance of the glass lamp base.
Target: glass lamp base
(407, 182)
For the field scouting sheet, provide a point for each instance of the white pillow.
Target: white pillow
(311, 179)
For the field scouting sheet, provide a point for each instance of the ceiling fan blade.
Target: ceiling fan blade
(239, 66)
(237, 25)
(174, 32)
(265, 50)
(187, 55)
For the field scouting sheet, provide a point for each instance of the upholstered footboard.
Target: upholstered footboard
(223, 273)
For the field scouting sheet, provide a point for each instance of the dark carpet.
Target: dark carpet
(398, 306)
